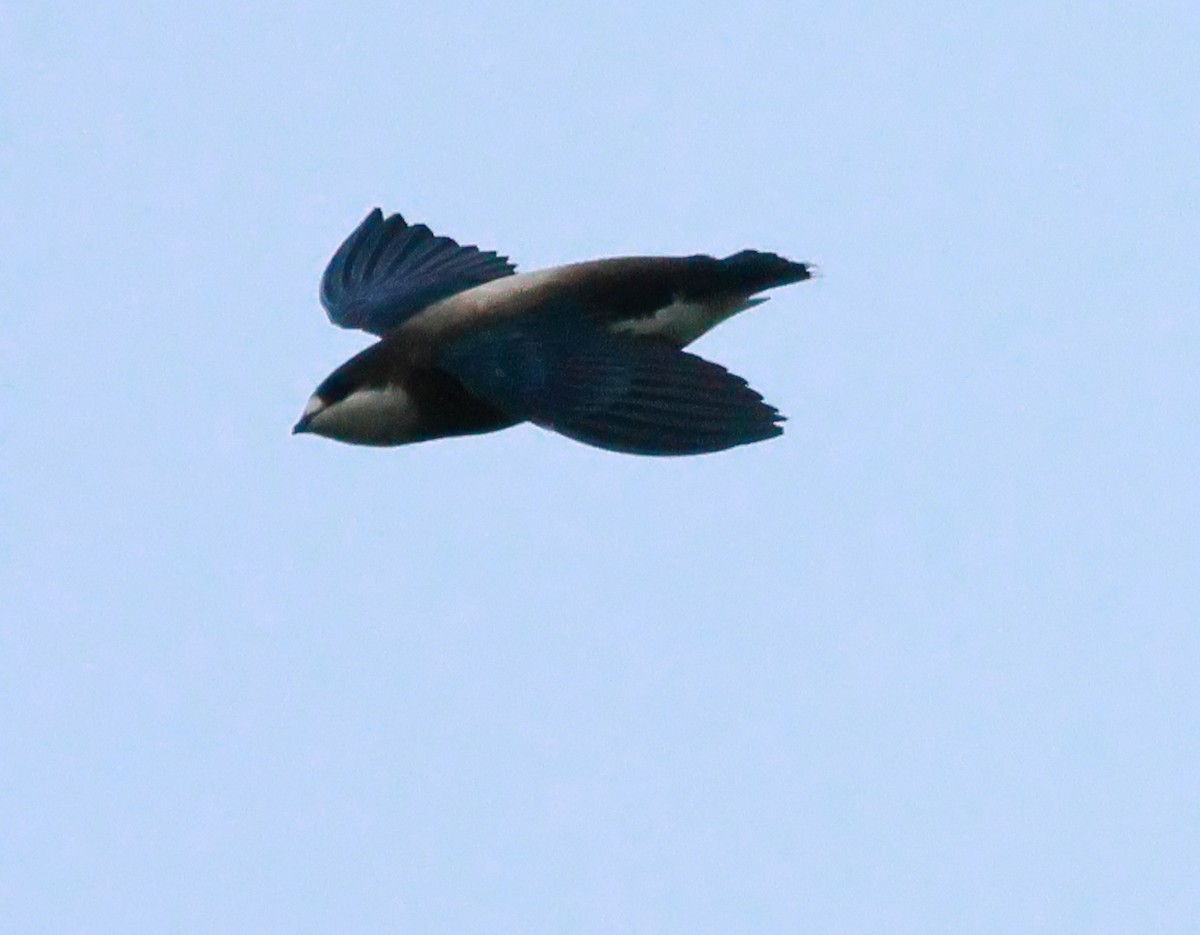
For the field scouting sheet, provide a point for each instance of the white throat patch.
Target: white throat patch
(383, 415)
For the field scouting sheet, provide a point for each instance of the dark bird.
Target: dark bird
(593, 350)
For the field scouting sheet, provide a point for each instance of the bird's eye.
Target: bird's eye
(333, 391)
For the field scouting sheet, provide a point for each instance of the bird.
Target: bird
(592, 350)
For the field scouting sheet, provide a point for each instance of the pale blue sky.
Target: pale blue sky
(928, 663)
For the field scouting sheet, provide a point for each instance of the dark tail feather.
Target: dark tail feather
(752, 271)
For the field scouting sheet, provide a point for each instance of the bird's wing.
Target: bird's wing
(388, 270)
(612, 391)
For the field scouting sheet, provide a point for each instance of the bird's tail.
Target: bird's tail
(752, 271)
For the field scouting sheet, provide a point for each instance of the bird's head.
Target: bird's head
(362, 403)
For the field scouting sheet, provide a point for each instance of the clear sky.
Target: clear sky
(927, 663)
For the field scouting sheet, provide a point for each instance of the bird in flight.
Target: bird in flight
(593, 351)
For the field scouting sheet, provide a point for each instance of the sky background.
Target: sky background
(927, 663)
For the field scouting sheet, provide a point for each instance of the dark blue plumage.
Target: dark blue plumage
(593, 351)
(613, 391)
(388, 270)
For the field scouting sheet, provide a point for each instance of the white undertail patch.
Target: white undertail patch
(684, 321)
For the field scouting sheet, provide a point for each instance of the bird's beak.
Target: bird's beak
(311, 410)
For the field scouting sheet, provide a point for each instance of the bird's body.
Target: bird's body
(591, 350)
